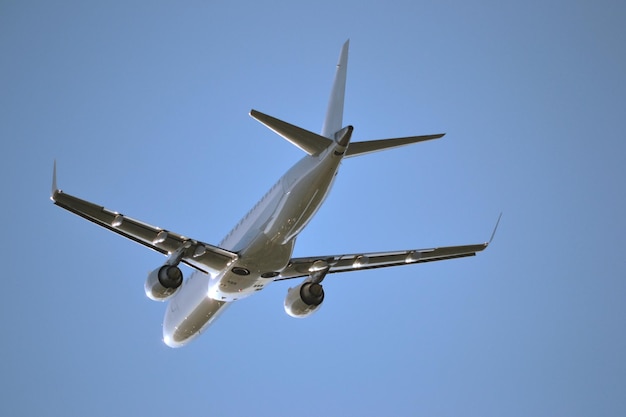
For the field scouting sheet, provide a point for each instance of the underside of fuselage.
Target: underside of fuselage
(264, 241)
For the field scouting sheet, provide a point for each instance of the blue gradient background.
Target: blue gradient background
(144, 105)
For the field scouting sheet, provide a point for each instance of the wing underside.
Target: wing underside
(201, 256)
(300, 267)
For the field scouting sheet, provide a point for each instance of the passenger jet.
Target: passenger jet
(258, 250)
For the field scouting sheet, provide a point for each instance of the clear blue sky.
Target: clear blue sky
(144, 105)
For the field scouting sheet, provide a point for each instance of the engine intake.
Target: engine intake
(163, 282)
(304, 300)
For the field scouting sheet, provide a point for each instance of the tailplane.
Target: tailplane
(332, 130)
(309, 142)
(361, 148)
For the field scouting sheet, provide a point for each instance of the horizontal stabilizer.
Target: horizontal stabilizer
(361, 148)
(309, 142)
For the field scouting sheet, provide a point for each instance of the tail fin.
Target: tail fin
(334, 112)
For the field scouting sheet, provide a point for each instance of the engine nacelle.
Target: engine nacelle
(163, 282)
(304, 300)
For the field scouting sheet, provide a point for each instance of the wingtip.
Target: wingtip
(494, 229)
(55, 189)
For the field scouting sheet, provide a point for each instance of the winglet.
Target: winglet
(55, 189)
(495, 229)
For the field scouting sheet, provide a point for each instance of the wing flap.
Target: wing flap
(204, 257)
(299, 267)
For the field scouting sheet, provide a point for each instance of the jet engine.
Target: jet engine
(304, 300)
(163, 282)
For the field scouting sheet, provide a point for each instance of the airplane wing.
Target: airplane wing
(299, 267)
(201, 256)
(302, 267)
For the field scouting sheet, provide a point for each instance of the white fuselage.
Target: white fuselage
(264, 240)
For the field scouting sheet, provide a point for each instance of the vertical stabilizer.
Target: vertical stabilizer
(334, 113)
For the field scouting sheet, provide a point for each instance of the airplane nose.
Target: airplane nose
(172, 336)
(189, 313)
(175, 333)
(169, 340)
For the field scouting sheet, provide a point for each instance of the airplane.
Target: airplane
(258, 250)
